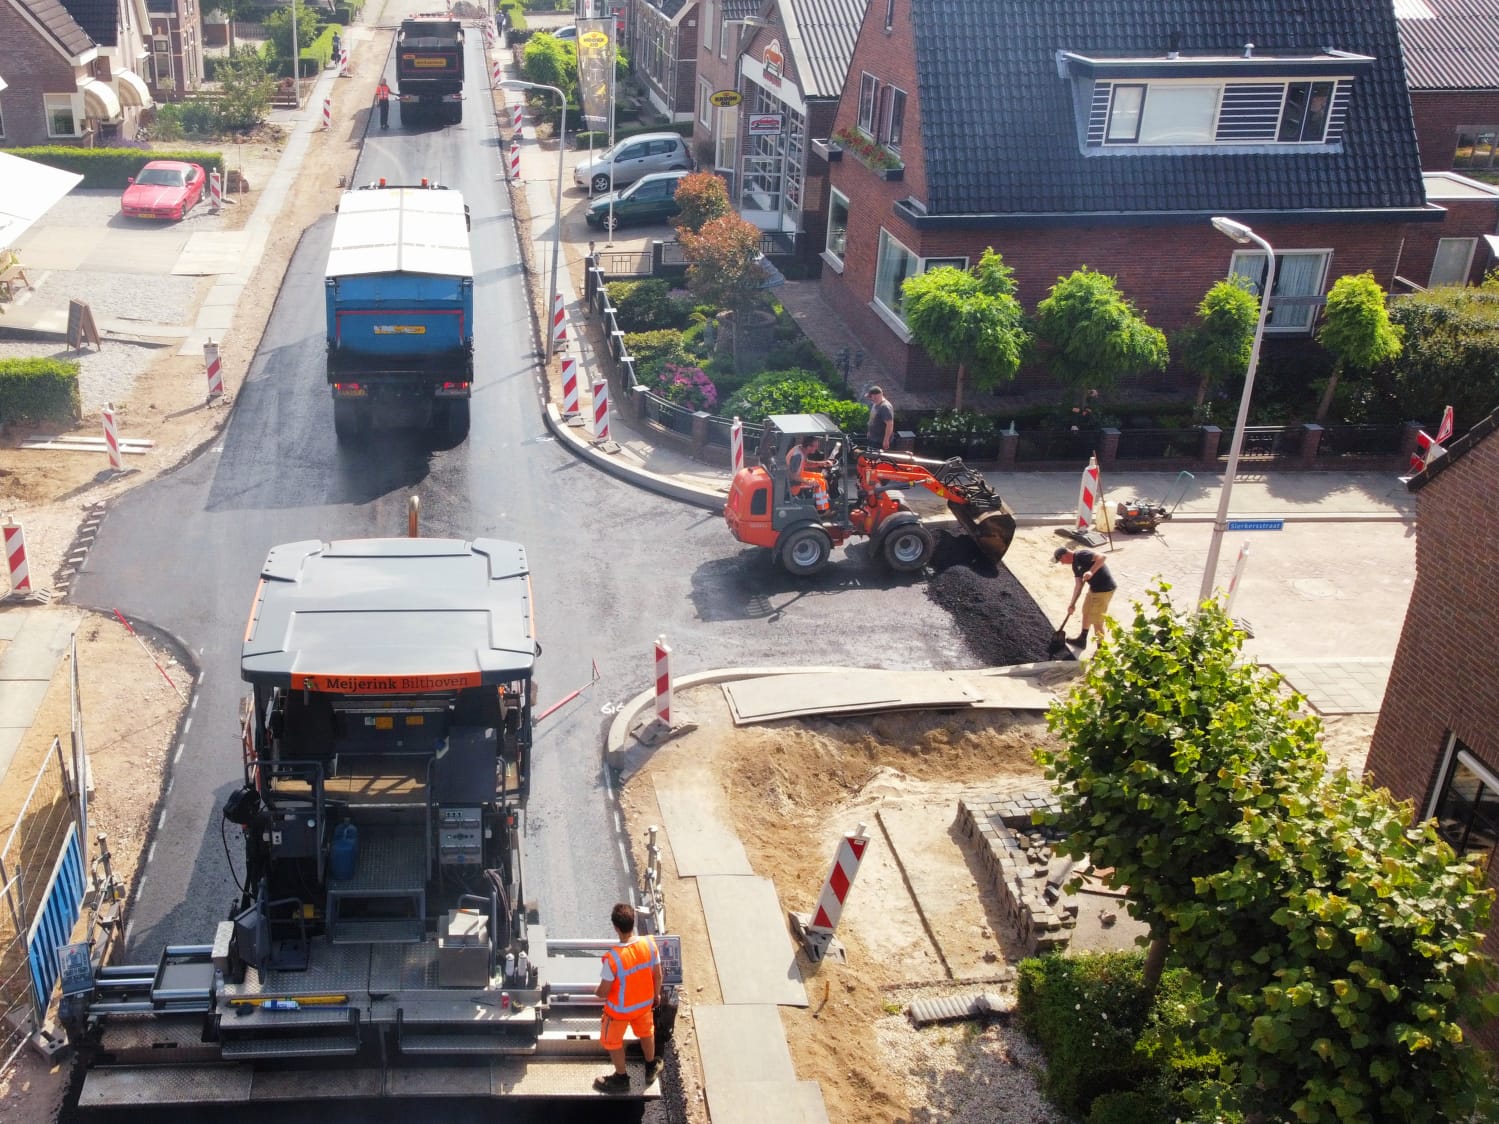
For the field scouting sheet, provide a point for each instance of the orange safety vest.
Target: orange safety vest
(634, 983)
(382, 92)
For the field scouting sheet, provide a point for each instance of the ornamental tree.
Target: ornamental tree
(725, 269)
(1092, 333)
(1356, 330)
(970, 318)
(702, 197)
(1216, 346)
(1167, 740)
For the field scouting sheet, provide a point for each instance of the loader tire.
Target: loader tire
(805, 551)
(908, 549)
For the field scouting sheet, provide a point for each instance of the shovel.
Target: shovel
(1058, 646)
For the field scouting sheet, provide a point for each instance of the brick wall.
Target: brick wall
(33, 67)
(1446, 672)
(1466, 218)
(1440, 113)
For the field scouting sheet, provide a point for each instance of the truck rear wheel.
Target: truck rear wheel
(455, 417)
(348, 420)
(908, 548)
(805, 551)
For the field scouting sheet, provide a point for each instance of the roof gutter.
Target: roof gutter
(911, 212)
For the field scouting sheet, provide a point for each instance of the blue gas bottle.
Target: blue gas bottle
(345, 854)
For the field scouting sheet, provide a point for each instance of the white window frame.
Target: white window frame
(892, 316)
(888, 135)
(710, 24)
(1311, 83)
(1462, 278)
(1312, 311)
(705, 103)
(869, 101)
(889, 15)
(2, 119)
(1452, 755)
(726, 146)
(833, 257)
(74, 108)
(1133, 124)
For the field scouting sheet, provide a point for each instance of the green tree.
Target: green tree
(278, 26)
(725, 267)
(702, 197)
(1216, 347)
(551, 62)
(970, 318)
(247, 87)
(1167, 740)
(1450, 352)
(1092, 334)
(1356, 330)
(1344, 948)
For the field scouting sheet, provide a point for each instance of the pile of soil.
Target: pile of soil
(992, 611)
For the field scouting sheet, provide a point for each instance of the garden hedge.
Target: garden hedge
(34, 390)
(111, 167)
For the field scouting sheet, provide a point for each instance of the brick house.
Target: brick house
(663, 38)
(1452, 67)
(1436, 743)
(715, 127)
(1107, 133)
(176, 48)
(73, 70)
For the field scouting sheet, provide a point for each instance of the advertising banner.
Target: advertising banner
(595, 58)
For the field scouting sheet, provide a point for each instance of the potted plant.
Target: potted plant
(872, 155)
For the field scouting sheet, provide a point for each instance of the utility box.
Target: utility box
(463, 950)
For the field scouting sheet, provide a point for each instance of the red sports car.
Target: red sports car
(165, 189)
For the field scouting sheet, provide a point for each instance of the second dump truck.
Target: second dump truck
(400, 309)
(429, 69)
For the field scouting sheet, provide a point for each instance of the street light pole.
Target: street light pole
(516, 84)
(1239, 233)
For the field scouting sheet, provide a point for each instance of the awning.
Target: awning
(133, 91)
(1492, 242)
(99, 101)
(27, 191)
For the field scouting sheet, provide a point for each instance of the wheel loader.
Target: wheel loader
(863, 497)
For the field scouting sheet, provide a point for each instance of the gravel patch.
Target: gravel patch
(155, 299)
(964, 1073)
(95, 207)
(107, 375)
(989, 607)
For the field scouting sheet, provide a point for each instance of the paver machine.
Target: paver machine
(381, 944)
(864, 497)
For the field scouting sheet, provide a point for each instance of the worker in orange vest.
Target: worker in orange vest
(631, 989)
(382, 99)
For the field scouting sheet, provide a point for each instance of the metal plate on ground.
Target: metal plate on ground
(118, 1087)
(334, 970)
(744, 1102)
(752, 949)
(570, 1078)
(313, 1084)
(741, 1044)
(441, 1081)
(785, 696)
(694, 813)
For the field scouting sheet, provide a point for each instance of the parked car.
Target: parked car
(570, 32)
(651, 198)
(630, 159)
(165, 189)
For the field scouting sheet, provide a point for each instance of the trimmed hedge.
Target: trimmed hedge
(33, 390)
(111, 167)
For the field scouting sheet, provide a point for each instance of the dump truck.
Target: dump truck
(429, 69)
(861, 495)
(399, 291)
(382, 943)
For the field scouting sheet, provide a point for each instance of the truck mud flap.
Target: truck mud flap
(114, 1087)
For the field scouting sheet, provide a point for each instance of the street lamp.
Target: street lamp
(517, 84)
(1239, 233)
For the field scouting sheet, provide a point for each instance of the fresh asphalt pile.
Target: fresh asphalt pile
(992, 611)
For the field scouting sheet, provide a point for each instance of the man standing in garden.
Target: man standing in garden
(382, 99)
(881, 419)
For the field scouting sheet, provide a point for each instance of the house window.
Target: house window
(889, 14)
(837, 224)
(710, 24)
(1454, 259)
(928, 264)
(869, 90)
(161, 61)
(1475, 146)
(1304, 118)
(1178, 115)
(61, 120)
(1297, 294)
(725, 155)
(1124, 114)
(704, 102)
(2, 121)
(1466, 804)
(895, 118)
(894, 265)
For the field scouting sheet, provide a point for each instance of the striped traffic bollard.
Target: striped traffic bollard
(600, 410)
(1087, 496)
(15, 557)
(515, 161)
(1233, 585)
(736, 444)
(518, 116)
(569, 386)
(327, 113)
(559, 321)
(112, 440)
(663, 681)
(496, 72)
(215, 192)
(212, 369)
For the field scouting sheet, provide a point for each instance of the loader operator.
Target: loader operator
(631, 991)
(1091, 568)
(801, 459)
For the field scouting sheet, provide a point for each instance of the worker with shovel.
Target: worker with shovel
(1091, 568)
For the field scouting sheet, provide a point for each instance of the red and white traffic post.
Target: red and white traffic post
(559, 321)
(112, 440)
(663, 682)
(15, 558)
(1233, 585)
(327, 113)
(736, 445)
(519, 116)
(215, 192)
(213, 370)
(495, 73)
(600, 410)
(569, 386)
(817, 933)
(515, 161)
(1087, 496)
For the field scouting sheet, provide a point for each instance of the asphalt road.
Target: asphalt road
(612, 566)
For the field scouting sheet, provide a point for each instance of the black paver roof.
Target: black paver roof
(99, 18)
(60, 23)
(1450, 44)
(1000, 133)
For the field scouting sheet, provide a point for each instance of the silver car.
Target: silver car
(630, 159)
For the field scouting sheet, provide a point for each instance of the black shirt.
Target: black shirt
(1101, 582)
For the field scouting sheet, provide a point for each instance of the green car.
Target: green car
(651, 198)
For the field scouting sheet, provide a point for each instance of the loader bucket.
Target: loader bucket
(993, 531)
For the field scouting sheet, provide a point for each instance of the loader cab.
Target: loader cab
(783, 432)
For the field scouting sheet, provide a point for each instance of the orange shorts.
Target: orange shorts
(643, 1023)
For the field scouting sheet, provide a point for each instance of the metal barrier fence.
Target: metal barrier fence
(1268, 443)
(1359, 440)
(1158, 444)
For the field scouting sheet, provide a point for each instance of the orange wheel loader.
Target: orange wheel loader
(864, 498)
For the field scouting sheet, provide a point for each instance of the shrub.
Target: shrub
(33, 390)
(794, 392)
(959, 424)
(643, 306)
(702, 197)
(548, 61)
(653, 350)
(686, 386)
(111, 167)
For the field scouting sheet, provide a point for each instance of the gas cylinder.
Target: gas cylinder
(345, 854)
